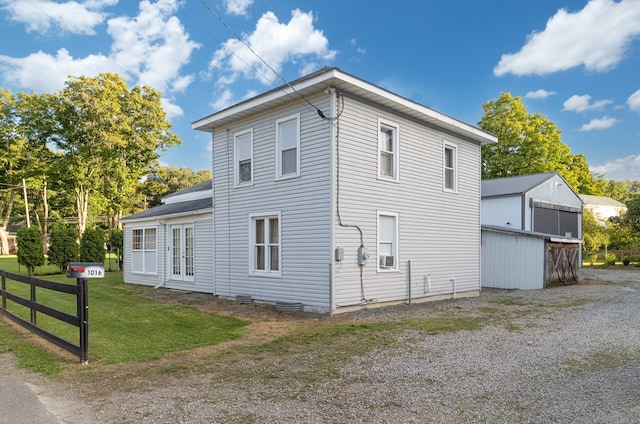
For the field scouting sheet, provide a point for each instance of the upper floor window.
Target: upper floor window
(243, 157)
(450, 167)
(143, 251)
(265, 244)
(288, 147)
(387, 241)
(388, 150)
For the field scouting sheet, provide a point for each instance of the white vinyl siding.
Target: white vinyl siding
(304, 204)
(144, 251)
(450, 167)
(243, 158)
(288, 147)
(388, 150)
(438, 233)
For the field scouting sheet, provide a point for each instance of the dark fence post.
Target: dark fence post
(32, 283)
(83, 315)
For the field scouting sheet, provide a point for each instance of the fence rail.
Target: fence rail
(79, 320)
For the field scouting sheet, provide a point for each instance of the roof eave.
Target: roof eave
(326, 78)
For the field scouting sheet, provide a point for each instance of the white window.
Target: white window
(388, 157)
(387, 241)
(265, 244)
(243, 158)
(144, 258)
(450, 167)
(288, 147)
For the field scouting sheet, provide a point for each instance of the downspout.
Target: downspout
(427, 283)
(453, 280)
(332, 167)
(164, 262)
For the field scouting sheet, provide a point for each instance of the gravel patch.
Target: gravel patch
(568, 354)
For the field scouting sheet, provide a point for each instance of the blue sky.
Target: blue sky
(577, 62)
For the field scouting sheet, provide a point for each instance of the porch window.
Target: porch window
(144, 259)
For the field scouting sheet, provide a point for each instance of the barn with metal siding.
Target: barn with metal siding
(531, 232)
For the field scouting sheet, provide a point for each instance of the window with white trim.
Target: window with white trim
(265, 244)
(387, 241)
(144, 259)
(388, 147)
(243, 157)
(288, 147)
(450, 167)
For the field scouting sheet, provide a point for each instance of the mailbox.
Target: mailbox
(86, 270)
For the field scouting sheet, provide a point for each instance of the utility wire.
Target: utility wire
(237, 36)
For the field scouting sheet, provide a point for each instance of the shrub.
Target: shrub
(64, 246)
(626, 261)
(610, 259)
(92, 246)
(591, 257)
(30, 250)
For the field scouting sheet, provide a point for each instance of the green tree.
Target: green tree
(528, 143)
(109, 136)
(64, 246)
(30, 252)
(116, 244)
(166, 180)
(594, 235)
(92, 246)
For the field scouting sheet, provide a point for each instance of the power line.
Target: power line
(235, 34)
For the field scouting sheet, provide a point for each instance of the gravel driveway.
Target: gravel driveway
(567, 354)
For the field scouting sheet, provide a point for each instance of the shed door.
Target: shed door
(182, 264)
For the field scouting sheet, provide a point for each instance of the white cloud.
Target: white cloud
(539, 94)
(276, 43)
(148, 49)
(622, 169)
(634, 101)
(153, 46)
(237, 7)
(583, 103)
(599, 124)
(71, 16)
(223, 100)
(595, 37)
(171, 109)
(28, 71)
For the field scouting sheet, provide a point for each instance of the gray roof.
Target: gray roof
(513, 185)
(203, 186)
(173, 209)
(601, 201)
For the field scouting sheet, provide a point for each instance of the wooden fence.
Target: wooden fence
(79, 320)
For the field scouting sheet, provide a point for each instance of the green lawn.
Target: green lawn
(122, 325)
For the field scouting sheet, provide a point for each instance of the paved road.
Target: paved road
(20, 405)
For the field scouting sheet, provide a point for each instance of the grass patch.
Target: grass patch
(510, 301)
(122, 325)
(602, 361)
(29, 355)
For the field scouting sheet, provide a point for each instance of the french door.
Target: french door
(182, 252)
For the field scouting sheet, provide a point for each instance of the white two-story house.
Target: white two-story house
(333, 193)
